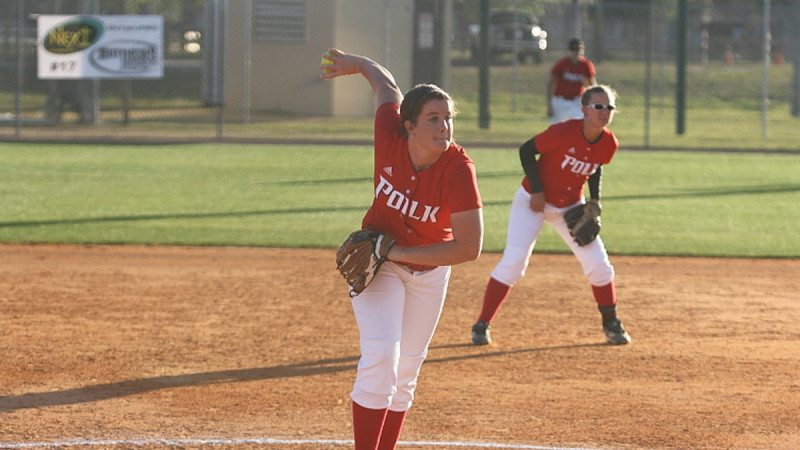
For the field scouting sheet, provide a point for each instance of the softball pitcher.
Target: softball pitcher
(569, 78)
(570, 153)
(426, 197)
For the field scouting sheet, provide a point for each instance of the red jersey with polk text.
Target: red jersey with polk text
(567, 160)
(415, 207)
(570, 76)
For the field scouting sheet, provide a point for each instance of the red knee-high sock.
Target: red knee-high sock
(391, 430)
(496, 293)
(605, 295)
(367, 425)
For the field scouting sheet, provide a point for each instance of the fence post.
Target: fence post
(598, 47)
(767, 44)
(483, 68)
(20, 65)
(648, 71)
(247, 28)
(214, 69)
(796, 63)
(576, 19)
(90, 92)
(680, 65)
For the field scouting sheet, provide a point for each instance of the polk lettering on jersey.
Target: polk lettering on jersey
(578, 167)
(396, 200)
(383, 186)
(573, 77)
(429, 214)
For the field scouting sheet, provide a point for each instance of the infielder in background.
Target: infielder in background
(426, 197)
(569, 154)
(569, 78)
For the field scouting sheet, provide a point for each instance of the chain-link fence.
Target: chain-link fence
(740, 80)
(90, 107)
(741, 70)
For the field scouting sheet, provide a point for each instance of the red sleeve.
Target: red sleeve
(462, 189)
(387, 122)
(547, 140)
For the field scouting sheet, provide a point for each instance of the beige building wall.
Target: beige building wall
(285, 76)
(382, 30)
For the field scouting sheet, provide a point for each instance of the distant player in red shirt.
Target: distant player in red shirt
(569, 78)
(569, 154)
(426, 197)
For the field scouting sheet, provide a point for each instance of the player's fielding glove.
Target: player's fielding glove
(583, 222)
(360, 256)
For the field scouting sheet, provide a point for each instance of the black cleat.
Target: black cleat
(481, 334)
(615, 333)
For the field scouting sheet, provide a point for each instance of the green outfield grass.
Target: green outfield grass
(655, 203)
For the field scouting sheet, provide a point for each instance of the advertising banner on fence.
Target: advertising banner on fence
(78, 47)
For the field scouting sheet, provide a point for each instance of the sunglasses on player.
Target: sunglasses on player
(600, 106)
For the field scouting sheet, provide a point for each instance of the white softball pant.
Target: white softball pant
(564, 109)
(396, 317)
(524, 226)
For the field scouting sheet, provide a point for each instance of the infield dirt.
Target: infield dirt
(124, 342)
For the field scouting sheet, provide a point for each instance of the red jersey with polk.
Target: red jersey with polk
(567, 160)
(570, 76)
(414, 207)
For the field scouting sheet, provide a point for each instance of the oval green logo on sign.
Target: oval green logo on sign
(73, 35)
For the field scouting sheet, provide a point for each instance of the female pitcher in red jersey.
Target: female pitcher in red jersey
(426, 197)
(570, 153)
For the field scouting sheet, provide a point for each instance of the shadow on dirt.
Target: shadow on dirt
(107, 391)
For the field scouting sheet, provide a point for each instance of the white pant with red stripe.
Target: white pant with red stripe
(396, 315)
(524, 226)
